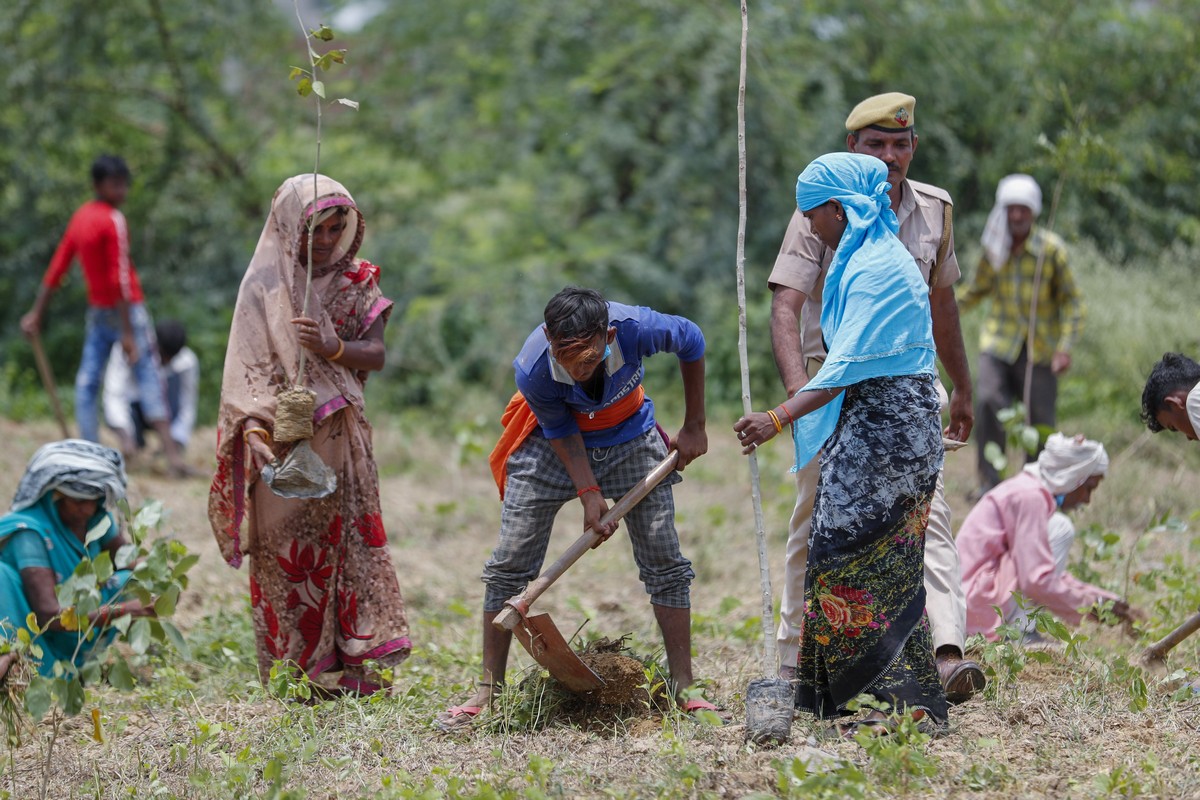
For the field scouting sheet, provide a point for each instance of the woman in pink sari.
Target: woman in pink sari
(323, 590)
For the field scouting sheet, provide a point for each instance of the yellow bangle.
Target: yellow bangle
(341, 349)
(775, 419)
(266, 434)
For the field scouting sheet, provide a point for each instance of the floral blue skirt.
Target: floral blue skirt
(865, 630)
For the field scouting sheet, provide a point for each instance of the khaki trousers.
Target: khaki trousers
(945, 603)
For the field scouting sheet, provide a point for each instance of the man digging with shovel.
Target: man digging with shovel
(581, 427)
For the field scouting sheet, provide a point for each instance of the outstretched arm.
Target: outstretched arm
(759, 426)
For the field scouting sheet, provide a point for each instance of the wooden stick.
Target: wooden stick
(43, 367)
(770, 662)
(510, 615)
(1157, 652)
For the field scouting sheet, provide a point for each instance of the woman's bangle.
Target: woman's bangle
(266, 434)
(341, 349)
(775, 419)
(587, 489)
(783, 408)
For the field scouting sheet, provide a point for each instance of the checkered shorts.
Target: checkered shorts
(538, 486)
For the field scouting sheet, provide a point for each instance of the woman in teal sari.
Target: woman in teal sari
(68, 488)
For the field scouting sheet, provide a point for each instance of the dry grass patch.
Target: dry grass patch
(1076, 726)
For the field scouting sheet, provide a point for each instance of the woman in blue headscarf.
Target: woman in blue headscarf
(68, 489)
(873, 412)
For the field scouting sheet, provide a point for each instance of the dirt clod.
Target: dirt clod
(624, 679)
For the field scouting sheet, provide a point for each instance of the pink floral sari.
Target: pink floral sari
(322, 586)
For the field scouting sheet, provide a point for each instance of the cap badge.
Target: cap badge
(902, 118)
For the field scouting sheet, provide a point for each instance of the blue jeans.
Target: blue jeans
(103, 331)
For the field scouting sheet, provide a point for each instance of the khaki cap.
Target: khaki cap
(894, 111)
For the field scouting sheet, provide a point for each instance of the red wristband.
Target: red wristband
(587, 489)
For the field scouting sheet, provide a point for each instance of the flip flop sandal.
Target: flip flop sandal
(699, 704)
(457, 718)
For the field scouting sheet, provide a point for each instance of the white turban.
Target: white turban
(1068, 461)
(1013, 190)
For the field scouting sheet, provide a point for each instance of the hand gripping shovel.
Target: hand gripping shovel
(538, 634)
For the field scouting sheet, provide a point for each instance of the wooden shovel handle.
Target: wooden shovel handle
(43, 368)
(1158, 651)
(509, 616)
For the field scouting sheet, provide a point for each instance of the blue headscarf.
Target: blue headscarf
(875, 309)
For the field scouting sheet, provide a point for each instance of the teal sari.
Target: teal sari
(37, 537)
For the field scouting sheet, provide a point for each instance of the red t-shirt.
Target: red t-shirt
(97, 234)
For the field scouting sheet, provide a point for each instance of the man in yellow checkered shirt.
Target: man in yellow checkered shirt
(1008, 273)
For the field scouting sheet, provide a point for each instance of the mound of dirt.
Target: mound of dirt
(624, 679)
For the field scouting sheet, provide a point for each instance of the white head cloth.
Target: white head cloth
(1068, 461)
(1013, 190)
(79, 469)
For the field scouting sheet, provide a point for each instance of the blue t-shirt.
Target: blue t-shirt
(554, 396)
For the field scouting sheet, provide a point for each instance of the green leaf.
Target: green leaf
(164, 606)
(98, 530)
(324, 33)
(126, 555)
(1029, 439)
(185, 563)
(176, 639)
(149, 515)
(296, 73)
(318, 88)
(102, 567)
(139, 635)
(39, 697)
(90, 674)
(120, 676)
(994, 454)
(337, 56)
(304, 87)
(74, 695)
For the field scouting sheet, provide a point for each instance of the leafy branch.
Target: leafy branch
(309, 83)
(158, 576)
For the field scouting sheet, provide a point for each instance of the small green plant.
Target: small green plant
(287, 682)
(159, 574)
(1098, 546)
(801, 779)
(1022, 440)
(899, 760)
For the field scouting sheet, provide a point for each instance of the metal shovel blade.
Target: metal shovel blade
(541, 638)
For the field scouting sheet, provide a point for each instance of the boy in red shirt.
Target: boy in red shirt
(97, 235)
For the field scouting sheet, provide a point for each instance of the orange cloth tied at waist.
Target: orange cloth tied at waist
(519, 421)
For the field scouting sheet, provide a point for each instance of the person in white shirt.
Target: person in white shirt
(179, 370)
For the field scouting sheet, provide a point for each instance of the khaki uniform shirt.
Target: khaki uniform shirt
(803, 258)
